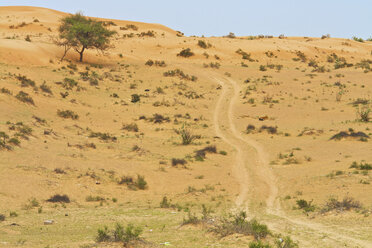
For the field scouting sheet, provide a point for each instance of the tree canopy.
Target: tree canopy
(80, 33)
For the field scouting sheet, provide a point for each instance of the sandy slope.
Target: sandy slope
(262, 173)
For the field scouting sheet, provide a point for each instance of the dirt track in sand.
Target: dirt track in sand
(258, 182)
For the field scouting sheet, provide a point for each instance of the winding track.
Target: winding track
(258, 174)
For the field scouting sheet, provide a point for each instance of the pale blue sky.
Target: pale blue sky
(340, 18)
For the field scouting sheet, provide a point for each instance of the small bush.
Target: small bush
(126, 180)
(202, 152)
(239, 224)
(258, 244)
(67, 114)
(103, 136)
(350, 134)
(13, 214)
(59, 171)
(135, 98)
(94, 198)
(165, 203)
(245, 55)
(305, 205)
(103, 235)
(140, 183)
(177, 161)
(69, 83)
(157, 118)
(285, 242)
(363, 113)
(358, 39)
(185, 53)
(187, 136)
(5, 91)
(59, 198)
(25, 97)
(2, 217)
(133, 127)
(25, 82)
(180, 74)
(204, 44)
(347, 204)
(28, 38)
(361, 166)
(127, 235)
(45, 88)
(156, 63)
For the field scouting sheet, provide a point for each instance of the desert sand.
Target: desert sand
(269, 106)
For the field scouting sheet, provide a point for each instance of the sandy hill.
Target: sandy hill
(277, 127)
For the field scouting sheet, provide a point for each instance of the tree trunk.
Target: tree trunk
(81, 54)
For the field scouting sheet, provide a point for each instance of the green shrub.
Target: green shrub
(246, 56)
(14, 141)
(258, 244)
(67, 114)
(2, 217)
(5, 91)
(103, 235)
(69, 83)
(363, 113)
(187, 137)
(25, 82)
(59, 198)
(177, 161)
(285, 242)
(204, 44)
(135, 98)
(186, 53)
(358, 39)
(127, 234)
(347, 204)
(13, 214)
(140, 183)
(133, 127)
(25, 97)
(165, 203)
(103, 136)
(91, 198)
(305, 205)
(45, 88)
(180, 74)
(239, 224)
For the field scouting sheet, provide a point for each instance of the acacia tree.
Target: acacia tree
(80, 33)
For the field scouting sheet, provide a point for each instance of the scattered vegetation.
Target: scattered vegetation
(246, 56)
(204, 44)
(347, 204)
(180, 74)
(67, 114)
(134, 184)
(185, 53)
(155, 63)
(361, 166)
(350, 134)
(177, 161)
(129, 235)
(59, 198)
(103, 136)
(132, 127)
(25, 97)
